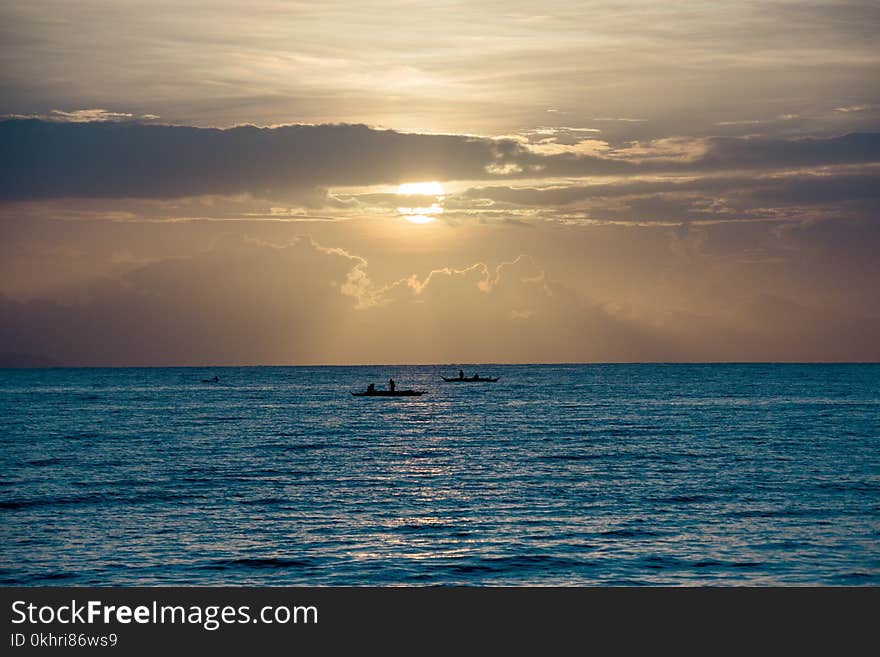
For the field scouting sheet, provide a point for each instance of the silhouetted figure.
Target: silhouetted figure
(460, 374)
(391, 385)
(216, 379)
(371, 387)
(476, 376)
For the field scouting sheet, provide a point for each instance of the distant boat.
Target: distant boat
(215, 379)
(470, 379)
(390, 393)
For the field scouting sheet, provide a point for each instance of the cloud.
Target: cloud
(716, 155)
(820, 189)
(257, 302)
(741, 122)
(242, 301)
(728, 153)
(619, 118)
(116, 160)
(94, 115)
(107, 159)
(671, 149)
(249, 301)
(677, 67)
(709, 198)
(90, 115)
(523, 269)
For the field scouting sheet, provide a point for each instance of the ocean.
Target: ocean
(571, 475)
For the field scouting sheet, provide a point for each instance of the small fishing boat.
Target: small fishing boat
(390, 393)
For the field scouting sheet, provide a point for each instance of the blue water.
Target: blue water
(555, 475)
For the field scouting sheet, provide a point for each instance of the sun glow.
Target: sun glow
(420, 189)
(431, 197)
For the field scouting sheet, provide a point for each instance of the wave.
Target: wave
(95, 499)
(259, 562)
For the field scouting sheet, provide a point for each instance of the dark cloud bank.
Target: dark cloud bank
(45, 159)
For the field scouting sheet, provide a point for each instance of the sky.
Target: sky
(225, 183)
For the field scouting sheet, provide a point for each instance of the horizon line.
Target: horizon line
(451, 364)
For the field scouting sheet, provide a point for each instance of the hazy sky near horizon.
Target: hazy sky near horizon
(296, 182)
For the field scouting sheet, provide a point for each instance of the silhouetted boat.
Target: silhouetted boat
(471, 379)
(390, 393)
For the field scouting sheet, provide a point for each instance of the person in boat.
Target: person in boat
(460, 374)
(371, 387)
(391, 385)
(477, 376)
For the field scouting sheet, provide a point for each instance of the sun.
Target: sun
(431, 201)
(420, 189)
